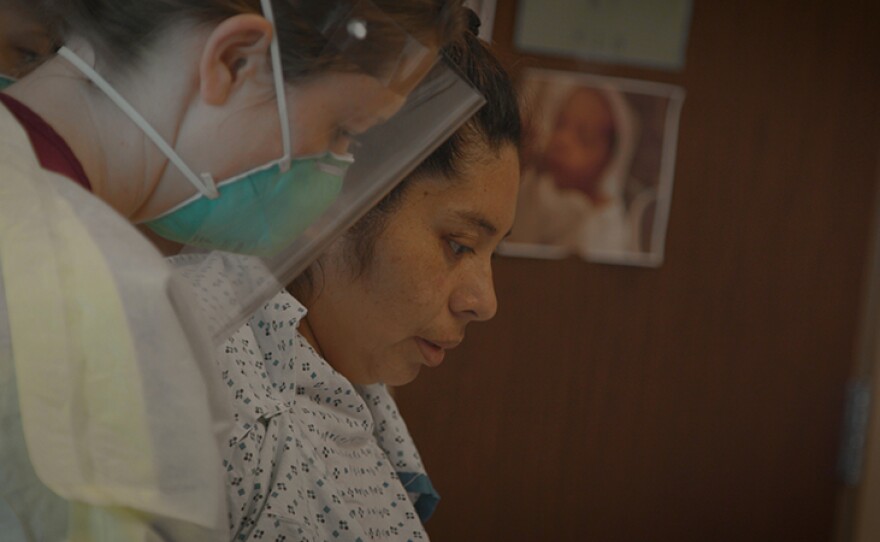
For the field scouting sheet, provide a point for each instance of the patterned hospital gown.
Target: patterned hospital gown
(313, 457)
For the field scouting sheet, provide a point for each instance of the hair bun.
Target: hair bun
(473, 21)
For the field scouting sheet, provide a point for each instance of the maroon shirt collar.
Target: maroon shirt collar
(53, 153)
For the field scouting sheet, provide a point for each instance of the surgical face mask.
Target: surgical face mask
(258, 212)
(6, 81)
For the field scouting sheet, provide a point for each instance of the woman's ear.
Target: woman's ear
(236, 49)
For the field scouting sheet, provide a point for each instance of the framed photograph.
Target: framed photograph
(598, 168)
(644, 33)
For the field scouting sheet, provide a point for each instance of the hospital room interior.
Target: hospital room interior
(686, 346)
(725, 392)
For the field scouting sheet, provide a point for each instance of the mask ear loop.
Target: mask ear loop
(204, 183)
(278, 76)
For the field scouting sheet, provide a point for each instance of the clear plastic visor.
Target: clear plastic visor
(333, 191)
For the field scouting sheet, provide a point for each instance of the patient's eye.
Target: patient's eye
(459, 249)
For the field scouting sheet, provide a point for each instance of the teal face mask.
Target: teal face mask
(258, 212)
(6, 81)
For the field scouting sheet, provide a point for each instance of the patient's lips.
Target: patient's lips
(435, 351)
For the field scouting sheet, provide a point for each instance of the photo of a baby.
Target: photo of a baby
(597, 168)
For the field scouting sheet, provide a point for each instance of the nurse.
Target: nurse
(319, 450)
(161, 113)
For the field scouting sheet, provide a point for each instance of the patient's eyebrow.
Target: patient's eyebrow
(479, 221)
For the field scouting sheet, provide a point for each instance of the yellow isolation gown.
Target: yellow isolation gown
(108, 425)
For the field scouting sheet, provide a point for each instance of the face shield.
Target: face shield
(280, 225)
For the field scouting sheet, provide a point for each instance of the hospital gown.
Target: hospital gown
(313, 457)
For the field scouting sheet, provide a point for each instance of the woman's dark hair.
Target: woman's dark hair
(495, 126)
(121, 30)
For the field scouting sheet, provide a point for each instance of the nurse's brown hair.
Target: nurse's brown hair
(122, 30)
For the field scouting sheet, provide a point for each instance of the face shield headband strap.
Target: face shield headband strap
(204, 183)
(354, 33)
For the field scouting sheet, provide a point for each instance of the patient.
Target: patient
(319, 450)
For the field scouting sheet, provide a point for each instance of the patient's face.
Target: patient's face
(24, 41)
(430, 276)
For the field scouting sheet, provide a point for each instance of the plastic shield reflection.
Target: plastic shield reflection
(229, 287)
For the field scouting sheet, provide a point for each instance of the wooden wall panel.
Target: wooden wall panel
(700, 401)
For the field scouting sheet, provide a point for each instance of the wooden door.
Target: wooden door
(701, 401)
